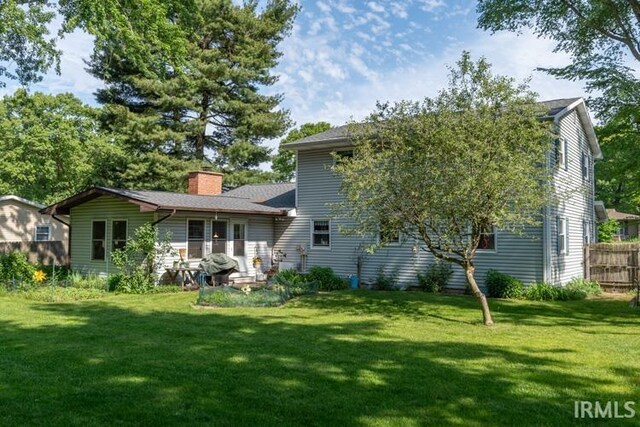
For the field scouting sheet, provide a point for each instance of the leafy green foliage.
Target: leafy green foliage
(444, 170)
(284, 163)
(26, 50)
(61, 294)
(386, 281)
(617, 175)
(576, 289)
(48, 144)
(502, 285)
(15, 269)
(137, 261)
(608, 230)
(600, 36)
(229, 297)
(326, 279)
(436, 277)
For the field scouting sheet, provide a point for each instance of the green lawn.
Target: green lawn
(346, 358)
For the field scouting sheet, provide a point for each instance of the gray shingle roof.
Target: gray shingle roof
(268, 199)
(339, 133)
(280, 195)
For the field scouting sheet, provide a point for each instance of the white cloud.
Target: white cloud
(399, 10)
(431, 5)
(344, 7)
(323, 6)
(376, 7)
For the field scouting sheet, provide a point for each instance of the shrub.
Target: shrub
(583, 287)
(436, 277)
(542, 292)
(135, 282)
(113, 282)
(76, 280)
(384, 281)
(502, 285)
(607, 230)
(326, 279)
(15, 269)
(292, 282)
(55, 273)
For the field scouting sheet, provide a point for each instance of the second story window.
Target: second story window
(586, 167)
(563, 238)
(561, 152)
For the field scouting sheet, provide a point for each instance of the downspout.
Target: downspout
(154, 223)
(68, 238)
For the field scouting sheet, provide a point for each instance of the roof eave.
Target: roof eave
(64, 207)
(580, 106)
(282, 212)
(324, 143)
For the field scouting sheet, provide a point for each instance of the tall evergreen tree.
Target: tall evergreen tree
(284, 163)
(212, 107)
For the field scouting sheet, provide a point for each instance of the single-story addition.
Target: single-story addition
(292, 223)
(629, 224)
(23, 228)
(242, 223)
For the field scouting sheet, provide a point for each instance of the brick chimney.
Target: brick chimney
(205, 183)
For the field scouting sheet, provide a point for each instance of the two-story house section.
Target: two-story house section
(551, 252)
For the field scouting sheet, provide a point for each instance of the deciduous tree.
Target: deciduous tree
(284, 163)
(446, 170)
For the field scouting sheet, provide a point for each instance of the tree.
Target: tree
(26, 52)
(608, 230)
(142, 32)
(601, 36)
(618, 175)
(47, 145)
(446, 170)
(212, 105)
(284, 163)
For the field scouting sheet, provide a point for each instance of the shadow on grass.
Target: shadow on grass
(110, 365)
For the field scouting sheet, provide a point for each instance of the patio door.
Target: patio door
(239, 243)
(219, 237)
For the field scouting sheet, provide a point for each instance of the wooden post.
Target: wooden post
(587, 262)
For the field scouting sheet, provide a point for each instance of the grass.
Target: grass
(345, 358)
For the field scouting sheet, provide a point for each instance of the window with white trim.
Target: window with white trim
(586, 231)
(43, 233)
(488, 240)
(118, 234)
(585, 167)
(320, 233)
(562, 152)
(195, 239)
(387, 235)
(563, 237)
(239, 239)
(98, 240)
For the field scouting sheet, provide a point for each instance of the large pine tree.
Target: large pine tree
(212, 107)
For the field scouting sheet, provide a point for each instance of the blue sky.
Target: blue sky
(344, 55)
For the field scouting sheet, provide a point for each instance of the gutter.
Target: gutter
(59, 220)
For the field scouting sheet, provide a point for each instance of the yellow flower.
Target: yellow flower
(39, 276)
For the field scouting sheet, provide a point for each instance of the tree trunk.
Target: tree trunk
(486, 313)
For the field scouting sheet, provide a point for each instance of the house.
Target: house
(629, 224)
(243, 223)
(23, 228)
(292, 224)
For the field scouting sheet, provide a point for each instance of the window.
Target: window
(98, 235)
(320, 234)
(219, 237)
(43, 233)
(585, 167)
(488, 240)
(195, 239)
(563, 241)
(118, 234)
(343, 155)
(586, 231)
(239, 233)
(387, 235)
(562, 153)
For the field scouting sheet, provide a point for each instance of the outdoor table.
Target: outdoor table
(183, 272)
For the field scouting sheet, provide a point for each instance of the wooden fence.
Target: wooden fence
(45, 253)
(614, 266)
